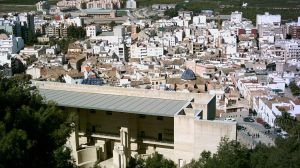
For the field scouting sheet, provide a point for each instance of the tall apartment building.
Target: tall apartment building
(9, 45)
(56, 31)
(294, 31)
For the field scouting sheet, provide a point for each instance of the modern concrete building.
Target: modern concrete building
(116, 123)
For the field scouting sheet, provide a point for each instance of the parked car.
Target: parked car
(230, 119)
(283, 134)
(248, 119)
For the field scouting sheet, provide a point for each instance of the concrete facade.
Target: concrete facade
(117, 135)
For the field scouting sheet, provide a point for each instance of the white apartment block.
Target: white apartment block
(269, 108)
(169, 40)
(92, 30)
(103, 4)
(11, 44)
(179, 35)
(246, 85)
(186, 14)
(119, 50)
(131, 4)
(146, 50)
(268, 18)
(276, 82)
(119, 31)
(199, 21)
(75, 21)
(291, 49)
(236, 17)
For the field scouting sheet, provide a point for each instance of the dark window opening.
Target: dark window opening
(159, 136)
(160, 118)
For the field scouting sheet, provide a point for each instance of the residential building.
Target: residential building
(131, 4)
(236, 17)
(294, 31)
(268, 18)
(56, 31)
(141, 51)
(104, 4)
(42, 6)
(11, 44)
(92, 30)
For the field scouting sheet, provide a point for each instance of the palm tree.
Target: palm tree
(285, 121)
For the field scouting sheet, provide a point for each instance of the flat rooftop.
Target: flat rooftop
(115, 103)
(115, 99)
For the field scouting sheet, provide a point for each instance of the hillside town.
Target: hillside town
(249, 69)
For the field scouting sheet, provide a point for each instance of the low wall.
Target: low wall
(87, 156)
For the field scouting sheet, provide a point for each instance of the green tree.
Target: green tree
(285, 121)
(32, 132)
(154, 161)
(76, 32)
(230, 154)
(158, 161)
(171, 12)
(285, 154)
(112, 24)
(294, 89)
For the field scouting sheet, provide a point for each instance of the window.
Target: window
(142, 134)
(142, 116)
(159, 138)
(160, 118)
(92, 111)
(108, 113)
(93, 129)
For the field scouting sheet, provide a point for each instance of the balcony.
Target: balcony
(103, 135)
(154, 141)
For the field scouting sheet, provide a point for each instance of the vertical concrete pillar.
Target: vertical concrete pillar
(73, 143)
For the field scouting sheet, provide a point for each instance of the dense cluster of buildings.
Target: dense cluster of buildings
(165, 84)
